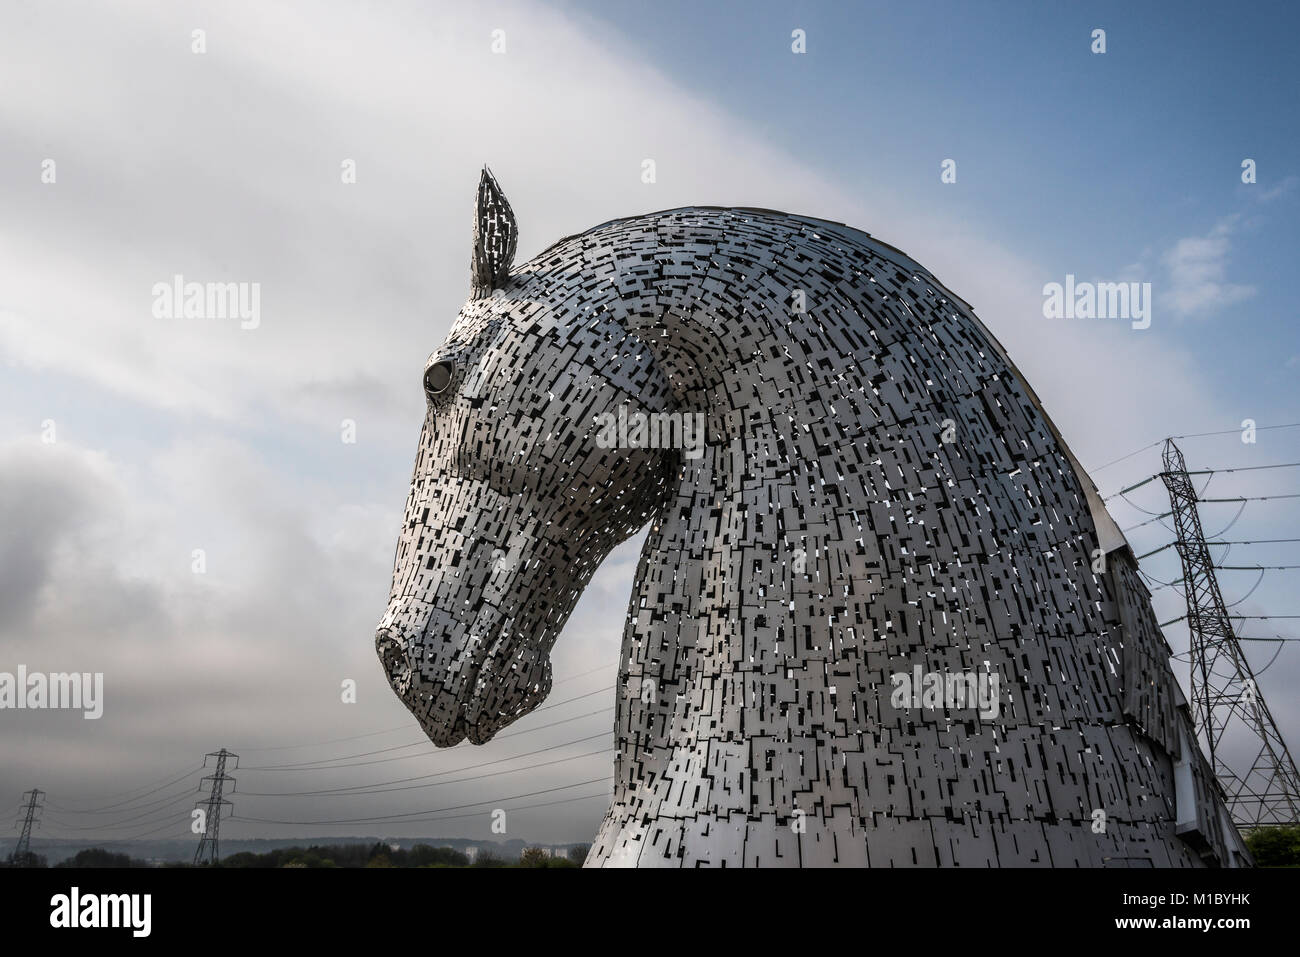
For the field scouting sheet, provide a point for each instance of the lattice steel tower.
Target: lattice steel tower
(214, 804)
(1227, 706)
(23, 849)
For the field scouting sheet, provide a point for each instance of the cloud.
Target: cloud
(158, 175)
(49, 491)
(1196, 270)
(1284, 187)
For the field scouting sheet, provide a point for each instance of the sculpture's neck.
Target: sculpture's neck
(734, 638)
(712, 608)
(880, 498)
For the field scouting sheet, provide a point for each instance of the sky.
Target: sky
(129, 440)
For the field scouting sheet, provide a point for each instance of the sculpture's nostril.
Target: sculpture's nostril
(393, 658)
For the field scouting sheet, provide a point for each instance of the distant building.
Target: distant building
(555, 852)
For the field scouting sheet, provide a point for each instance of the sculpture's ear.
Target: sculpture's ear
(495, 235)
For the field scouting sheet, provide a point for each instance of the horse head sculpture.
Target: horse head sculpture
(513, 504)
(875, 504)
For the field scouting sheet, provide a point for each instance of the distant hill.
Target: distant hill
(56, 850)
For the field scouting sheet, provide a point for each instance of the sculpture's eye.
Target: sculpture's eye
(437, 378)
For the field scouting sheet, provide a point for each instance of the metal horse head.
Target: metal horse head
(875, 502)
(514, 503)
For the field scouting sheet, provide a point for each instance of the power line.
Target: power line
(321, 766)
(479, 777)
(1147, 522)
(1250, 498)
(1241, 511)
(1162, 584)
(1240, 498)
(452, 817)
(381, 787)
(111, 807)
(603, 794)
(1258, 581)
(117, 825)
(1192, 435)
(1243, 468)
(413, 814)
(1156, 551)
(128, 805)
(1210, 472)
(1235, 568)
(117, 808)
(407, 726)
(154, 829)
(1174, 621)
(1257, 541)
(1132, 504)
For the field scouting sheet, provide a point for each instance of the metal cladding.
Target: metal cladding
(880, 617)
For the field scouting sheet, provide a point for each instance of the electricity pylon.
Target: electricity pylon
(23, 850)
(214, 804)
(1225, 696)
